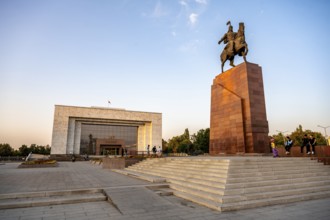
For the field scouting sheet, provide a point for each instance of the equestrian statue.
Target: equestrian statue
(235, 45)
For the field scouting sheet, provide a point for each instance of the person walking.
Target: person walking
(272, 144)
(288, 145)
(305, 143)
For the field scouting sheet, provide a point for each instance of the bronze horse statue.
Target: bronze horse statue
(235, 45)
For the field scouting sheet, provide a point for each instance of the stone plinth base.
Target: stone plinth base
(238, 112)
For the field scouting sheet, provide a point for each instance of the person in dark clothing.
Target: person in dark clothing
(154, 150)
(305, 143)
(312, 143)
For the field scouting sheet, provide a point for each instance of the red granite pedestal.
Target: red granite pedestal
(238, 112)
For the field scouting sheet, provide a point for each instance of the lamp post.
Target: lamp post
(325, 130)
(325, 133)
(282, 132)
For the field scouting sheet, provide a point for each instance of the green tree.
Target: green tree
(24, 150)
(201, 140)
(6, 150)
(198, 143)
(166, 149)
(180, 143)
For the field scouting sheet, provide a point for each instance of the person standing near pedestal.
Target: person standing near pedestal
(305, 143)
(272, 144)
(288, 145)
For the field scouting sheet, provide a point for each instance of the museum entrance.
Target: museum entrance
(112, 150)
(109, 146)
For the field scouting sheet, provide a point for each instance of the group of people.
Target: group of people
(308, 142)
(155, 151)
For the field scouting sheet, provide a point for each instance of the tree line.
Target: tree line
(195, 144)
(191, 144)
(24, 150)
(199, 143)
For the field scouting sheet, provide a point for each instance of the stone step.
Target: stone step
(263, 194)
(240, 182)
(246, 163)
(206, 195)
(278, 185)
(273, 201)
(218, 177)
(250, 203)
(201, 163)
(277, 182)
(240, 173)
(248, 168)
(279, 173)
(172, 166)
(200, 181)
(234, 174)
(269, 169)
(241, 189)
(216, 189)
(141, 175)
(167, 172)
(235, 169)
(269, 161)
(24, 200)
(307, 189)
(196, 199)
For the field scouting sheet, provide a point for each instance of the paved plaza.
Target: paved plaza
(130, 198)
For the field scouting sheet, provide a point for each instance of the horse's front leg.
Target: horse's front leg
(222, 65)
(232, 62)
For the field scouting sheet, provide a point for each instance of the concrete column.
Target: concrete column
(77, 137)
(141, 142)
(70, 135)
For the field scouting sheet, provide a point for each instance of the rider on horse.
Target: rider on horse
(229, 39)
(235, 45)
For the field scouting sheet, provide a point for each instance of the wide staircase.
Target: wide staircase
(233, 183)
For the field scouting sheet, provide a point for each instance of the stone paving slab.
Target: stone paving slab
(131, 198)
(67, 175)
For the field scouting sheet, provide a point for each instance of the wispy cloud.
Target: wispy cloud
(201, 1)
(158, 11)
(183, 3)
(173, 33)
(193, 18)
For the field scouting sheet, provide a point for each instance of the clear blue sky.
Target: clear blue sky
(156, 56)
